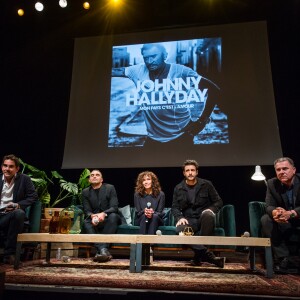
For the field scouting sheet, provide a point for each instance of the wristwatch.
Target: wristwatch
(292, 216)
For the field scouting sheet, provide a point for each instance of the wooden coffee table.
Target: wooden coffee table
(139, 245)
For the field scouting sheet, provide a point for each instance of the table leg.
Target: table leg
(48, 252)
(269, 262)
(252, 258)
(18, 255)
(132, 266)
(138, 258)
(146, 254)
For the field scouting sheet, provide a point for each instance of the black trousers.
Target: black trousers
(108, 226)
(202, 226)
(279, 233)
(12, 223)
(149, 226)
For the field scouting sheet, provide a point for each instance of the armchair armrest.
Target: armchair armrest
(226, 219)
(256, 211)
(33, 214)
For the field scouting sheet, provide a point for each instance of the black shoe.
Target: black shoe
(100, 258)
(198, 254)
(212, 259)
(105, 252)
(218, 261)
(196, 263)
(103, 255)
(282, 266)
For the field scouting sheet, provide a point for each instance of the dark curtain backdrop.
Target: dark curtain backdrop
(36, 56)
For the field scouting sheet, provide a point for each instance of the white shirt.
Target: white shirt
(7, 191)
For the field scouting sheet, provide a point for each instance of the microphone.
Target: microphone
(158, 232)
(95, 220)
(148, 206)
(246, 234)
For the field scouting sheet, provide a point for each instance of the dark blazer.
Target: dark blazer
(106, 201)
(24, 192)
(276, 195)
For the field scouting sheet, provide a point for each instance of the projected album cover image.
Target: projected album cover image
(165, 92)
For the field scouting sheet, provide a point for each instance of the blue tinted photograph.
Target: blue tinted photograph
(167, 93)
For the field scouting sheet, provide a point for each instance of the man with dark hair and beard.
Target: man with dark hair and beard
(195, 204)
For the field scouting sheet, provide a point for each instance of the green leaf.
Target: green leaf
(84, 179)
(45, 199)
(69, 186)
(56, 175)
(39, 182)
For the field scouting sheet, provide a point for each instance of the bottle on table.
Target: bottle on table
(65, 223)
(54, 223)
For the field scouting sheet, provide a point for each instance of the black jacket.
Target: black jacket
(276, 195)
(206, 197)
(106, 201)
(24, 192)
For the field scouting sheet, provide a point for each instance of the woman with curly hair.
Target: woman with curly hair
(149, 203)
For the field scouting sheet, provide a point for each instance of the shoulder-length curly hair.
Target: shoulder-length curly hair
(139, 187)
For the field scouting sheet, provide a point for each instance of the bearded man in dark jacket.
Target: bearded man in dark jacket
(195, 204)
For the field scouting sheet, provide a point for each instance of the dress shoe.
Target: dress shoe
(101, 258)
(282, 266)
(105, 252)
(196, 262)
(217, 261)
(212, 259)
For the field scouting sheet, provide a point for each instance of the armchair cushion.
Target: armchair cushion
(125, 213)
(168, 217)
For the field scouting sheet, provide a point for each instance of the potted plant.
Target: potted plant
(63, 189)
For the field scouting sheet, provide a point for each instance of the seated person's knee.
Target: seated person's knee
(114, 218)
(19, 215)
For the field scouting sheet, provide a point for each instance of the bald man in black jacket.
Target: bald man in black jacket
(100, 204)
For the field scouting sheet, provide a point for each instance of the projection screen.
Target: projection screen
(154, 99)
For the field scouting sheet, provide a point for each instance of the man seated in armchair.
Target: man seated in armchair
(17, 193)
(195, 204)
(100, 204)
(282, 211)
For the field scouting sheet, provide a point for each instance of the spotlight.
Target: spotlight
(20, 12)
(63, 3)
(39, 6)
(86, 5)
